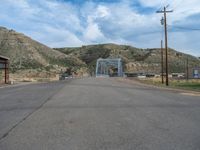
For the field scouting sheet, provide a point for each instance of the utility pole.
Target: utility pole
(187, 69)
(166, 49)
(162, 72)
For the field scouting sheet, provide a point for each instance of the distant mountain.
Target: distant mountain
(26, 53)
(135, 59)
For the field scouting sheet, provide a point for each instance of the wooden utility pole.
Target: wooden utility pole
(6, 68)
(166, 46)
(162, 71)
(187, 69)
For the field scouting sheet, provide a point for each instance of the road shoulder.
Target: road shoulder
(137, 82)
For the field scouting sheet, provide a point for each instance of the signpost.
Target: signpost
(196, 73)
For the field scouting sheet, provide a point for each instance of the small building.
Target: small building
(4, 69)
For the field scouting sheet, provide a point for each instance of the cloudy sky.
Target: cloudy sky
(69, 23)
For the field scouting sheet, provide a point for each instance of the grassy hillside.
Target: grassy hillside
(25, 53)
(135, 59)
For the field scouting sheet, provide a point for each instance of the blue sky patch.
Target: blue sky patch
(68, 23)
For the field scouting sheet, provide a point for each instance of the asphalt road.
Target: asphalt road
(97, 114)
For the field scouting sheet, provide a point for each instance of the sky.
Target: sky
(73, 23)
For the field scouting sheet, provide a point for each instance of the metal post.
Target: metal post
(187, 69)
(121, 71)
(97, 67)
(119, 68)
(101, 68)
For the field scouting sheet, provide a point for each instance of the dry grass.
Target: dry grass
(191, 84)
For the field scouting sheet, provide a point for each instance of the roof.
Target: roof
(3, 57)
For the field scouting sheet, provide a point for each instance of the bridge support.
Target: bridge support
(109, 67)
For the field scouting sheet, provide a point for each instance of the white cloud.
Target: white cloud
(153, 3)
(58, 23)
(187, 42)
(93, 33)
(49, 22)
(182, 8)
(185, 9)
(124, 22)
(102, 11)
(57, 37)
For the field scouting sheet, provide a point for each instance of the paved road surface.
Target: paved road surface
(97, 114)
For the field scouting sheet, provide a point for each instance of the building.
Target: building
(4, 69)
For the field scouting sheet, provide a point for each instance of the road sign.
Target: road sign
(196, 73)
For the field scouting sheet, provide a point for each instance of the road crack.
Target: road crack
(25, 118)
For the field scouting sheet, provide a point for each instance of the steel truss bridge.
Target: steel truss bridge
(110, 67)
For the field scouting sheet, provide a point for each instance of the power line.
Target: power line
(165, 2)
(185, 28)
(177, 5)
(166, 46)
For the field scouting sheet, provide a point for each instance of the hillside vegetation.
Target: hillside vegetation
(134, 59)
(26, 53)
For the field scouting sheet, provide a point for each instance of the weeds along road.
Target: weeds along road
(97, 114)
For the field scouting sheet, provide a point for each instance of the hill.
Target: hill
(135, 59)
(26, 53)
